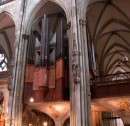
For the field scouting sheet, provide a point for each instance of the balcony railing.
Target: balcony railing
(110, 85)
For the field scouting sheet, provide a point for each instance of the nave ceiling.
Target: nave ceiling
(109, 27)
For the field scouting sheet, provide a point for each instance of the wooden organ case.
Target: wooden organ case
(47, 69)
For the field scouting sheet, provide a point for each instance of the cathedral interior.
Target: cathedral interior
(64, 63)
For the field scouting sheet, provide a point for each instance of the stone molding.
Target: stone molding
(75, 63)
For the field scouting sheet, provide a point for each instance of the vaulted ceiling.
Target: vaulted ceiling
(109, 27)
(54, 12)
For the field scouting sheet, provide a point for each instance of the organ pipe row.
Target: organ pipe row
(47, 64)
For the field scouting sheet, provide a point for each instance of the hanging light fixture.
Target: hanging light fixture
(45, 123)
(31, 99)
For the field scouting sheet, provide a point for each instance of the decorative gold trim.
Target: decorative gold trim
(124, 106)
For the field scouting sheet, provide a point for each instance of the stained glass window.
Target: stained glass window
(3, 62)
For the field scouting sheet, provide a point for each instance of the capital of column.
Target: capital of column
(82, 22)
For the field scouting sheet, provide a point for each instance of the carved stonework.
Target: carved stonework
(82, 22)
(124, 106)
(75, 63)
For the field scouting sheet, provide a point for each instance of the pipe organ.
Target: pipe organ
(47, 69)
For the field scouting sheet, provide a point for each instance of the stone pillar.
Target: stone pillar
(58, 122)
(16, 116)
(75, 106)
(96, 118)
(19, 67)
(10, 92)
(80, 87)
(85, 65)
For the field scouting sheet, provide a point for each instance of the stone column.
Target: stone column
(58, 122)
(10, 92)
(75, 106)
(80, 87)
(86, 95)
(18, 79)
(18, 83)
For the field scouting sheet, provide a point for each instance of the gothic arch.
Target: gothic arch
(83, 9)
(39, 6)
(7, 33)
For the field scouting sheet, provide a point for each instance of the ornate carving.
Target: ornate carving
(75, 63)
(124, 106)
(82, 22)
(55, 112)
(24, 36)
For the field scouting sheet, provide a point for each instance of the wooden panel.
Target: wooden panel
(39, 95)
(101, 91)
(59, 69)
(51, 81)
(110, 90)
(124, 88)
(43, 77)
(66, 76)
(58, 93)
(49, 96)
(28, 92)
(29, 73)
(36, 79)
(113, 90)
(40, 78)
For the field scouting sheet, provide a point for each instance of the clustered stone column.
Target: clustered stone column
(16, 115)
(80, 87)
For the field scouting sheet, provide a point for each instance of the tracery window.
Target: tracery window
(3, 61)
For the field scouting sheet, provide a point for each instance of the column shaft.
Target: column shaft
(80, 87)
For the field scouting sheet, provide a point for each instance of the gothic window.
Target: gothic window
(3, 61)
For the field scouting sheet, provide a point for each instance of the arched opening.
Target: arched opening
(108, 32)
(67, 122)
(7, 50)
(36, 118)
(46, 86)
(111, 119)
(106, 113)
